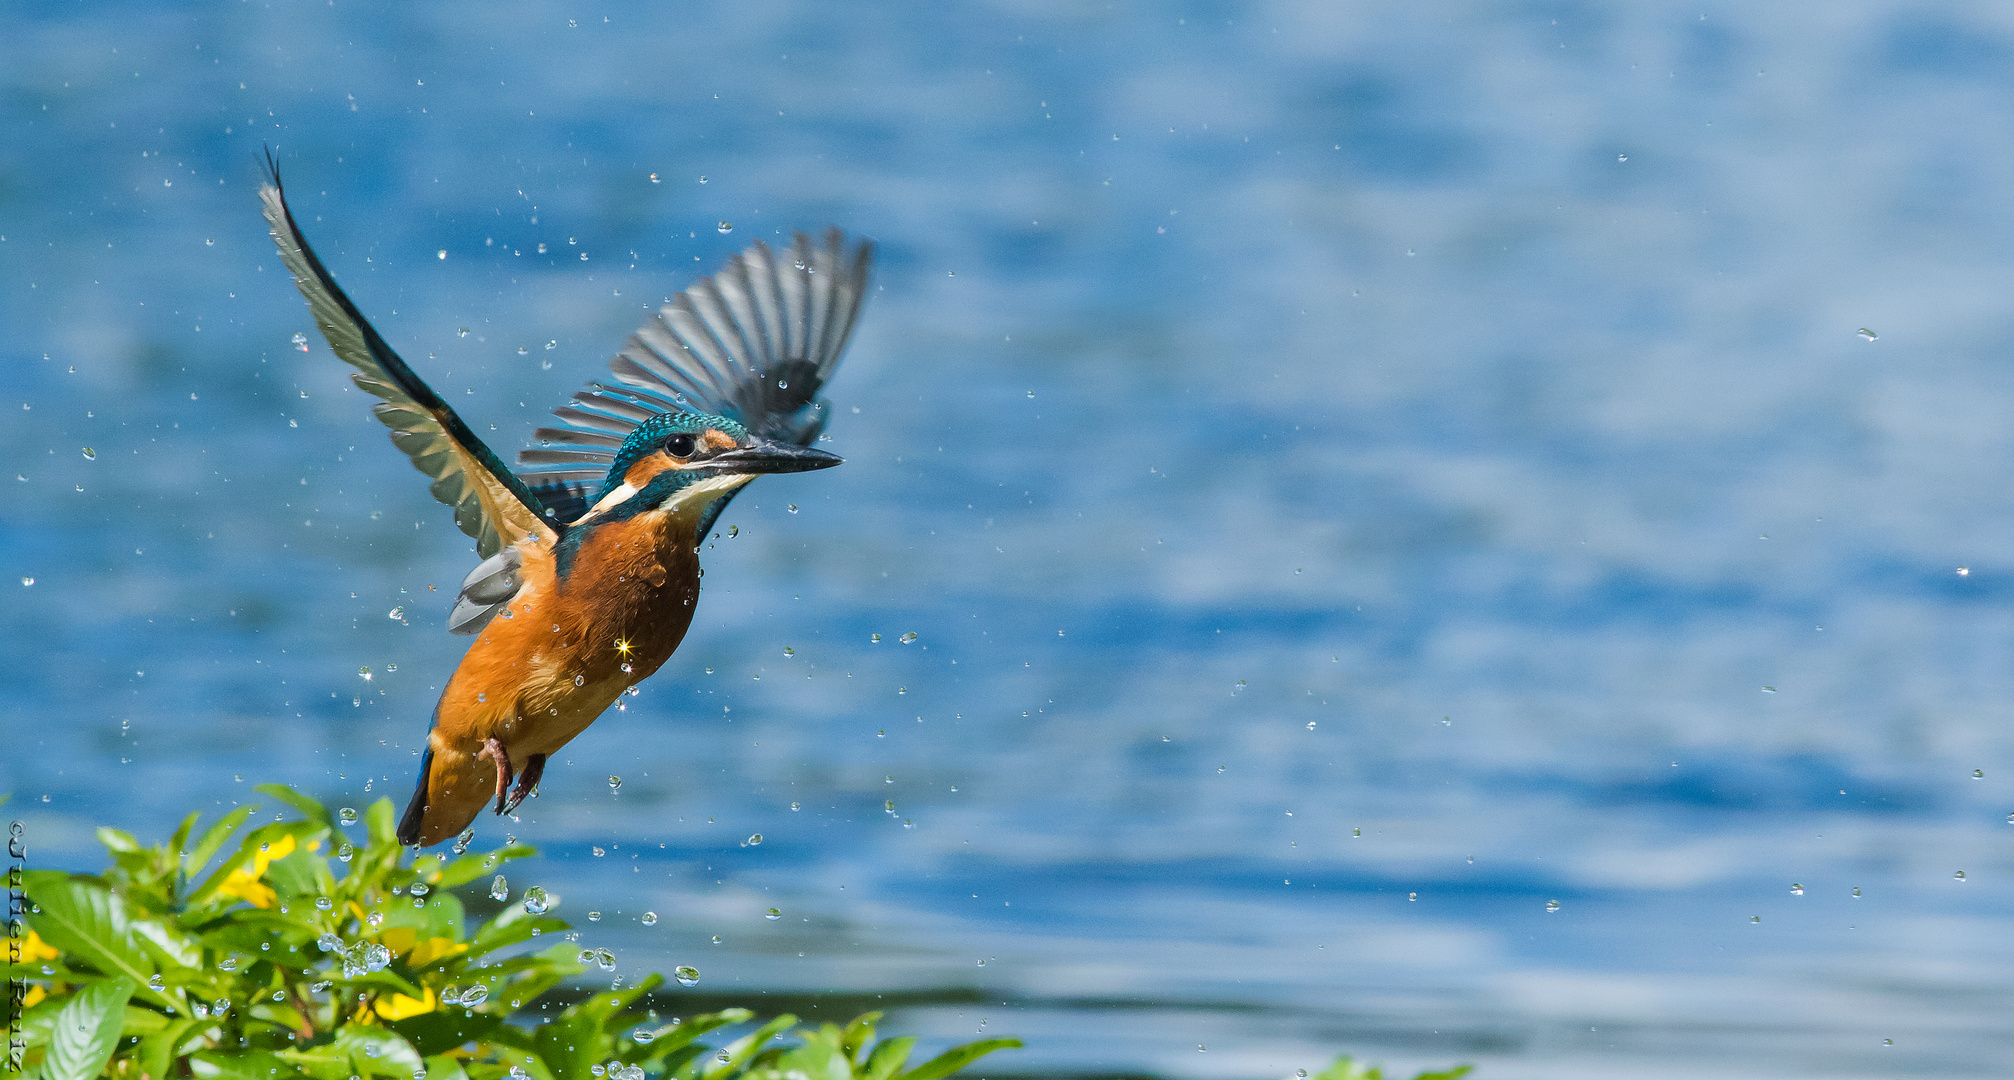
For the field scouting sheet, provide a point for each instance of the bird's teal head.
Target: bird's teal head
(685, 461)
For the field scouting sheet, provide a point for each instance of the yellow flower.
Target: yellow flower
(399, 939)
(401, 1006)
(37, 949)
(35, 995)
(244, 884)
(405, 941)
(434, 949)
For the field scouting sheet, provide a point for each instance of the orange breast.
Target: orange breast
(568, 649)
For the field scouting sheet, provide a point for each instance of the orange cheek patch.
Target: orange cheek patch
(717, 440)
(646, 468)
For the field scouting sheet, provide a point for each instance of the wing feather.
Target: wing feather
(490, 502)
(755, 343)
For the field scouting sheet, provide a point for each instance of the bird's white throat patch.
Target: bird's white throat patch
(685, 504)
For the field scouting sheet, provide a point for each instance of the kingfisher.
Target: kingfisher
(590, 550)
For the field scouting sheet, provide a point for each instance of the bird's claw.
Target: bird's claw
(527, 782)
(494, 750)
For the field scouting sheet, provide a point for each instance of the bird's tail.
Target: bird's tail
(416, 810)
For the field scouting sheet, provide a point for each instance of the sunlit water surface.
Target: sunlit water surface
(1356, 473)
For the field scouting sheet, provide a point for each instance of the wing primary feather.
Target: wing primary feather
(411, 407)
(756, 342)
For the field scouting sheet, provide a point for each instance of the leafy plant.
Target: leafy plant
(1347, 1068)
(300, 955)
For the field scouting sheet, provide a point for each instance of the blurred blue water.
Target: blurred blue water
(1440, 422)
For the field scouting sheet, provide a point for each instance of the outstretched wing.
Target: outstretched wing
(491, 503)
(755, 343)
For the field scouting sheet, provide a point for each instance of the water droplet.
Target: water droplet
(347, 815)
(686, 974)
(1412, 896)
(420, 888)
(301, 343)
(499, 888)
(323, 903)
(605, 958)
(580, 680)
(397, 614)
(800, 806)
(534, 901)
(725, 227)
(229, 963)
(615, 783)
(463, 841)
(1796, 889)
(474, 995)
(1867, 334)
(461, 331)
(754, 840)
(156, 983)
(377, 958)
(1959, 876)
(1311, 725)
(792, 507)
(364, 673)
(90, 454)
(1769, 689)
(702, 179)
(772, 914)
(1551, 906)
(907, 639)
(1353, 832)
(1856, 894)
(901, 689)
(649, 918)
(1979, 774)
(1755, 918)
(541, 248)
(874, 638)
(441, 254)
(1621, 158)
(346, 852)
(26, 581)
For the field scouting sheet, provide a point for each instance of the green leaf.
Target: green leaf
(301, 831)
(859, 1033)
(817, 1059)
(741, 1050)
(470, 867)
(888, 1057)
(88, 922)
(445, 1028)
(956, 1058)
(87, 1030)
(675, 1036)
(180, 841)
(443, 1067)
(1455, 1073)
(309, 808)
(158, 1051)
(244, 1065)
(379, 818)
(214, 838)
(117, 841)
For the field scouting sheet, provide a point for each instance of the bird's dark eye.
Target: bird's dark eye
(679, 446)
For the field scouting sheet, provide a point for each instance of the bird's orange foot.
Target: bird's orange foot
(527, 781)
(494, 750)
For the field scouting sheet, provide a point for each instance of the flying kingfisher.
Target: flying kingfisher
(591, 554)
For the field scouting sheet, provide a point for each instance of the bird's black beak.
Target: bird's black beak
(764, 456)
